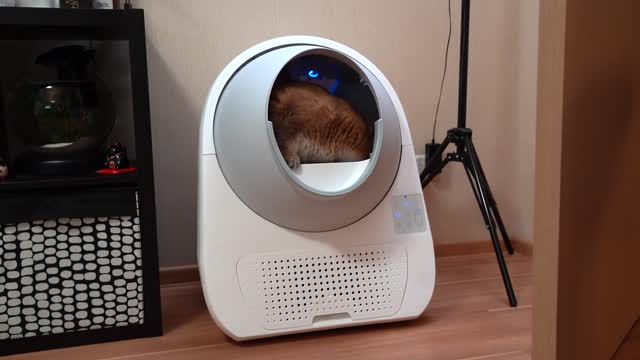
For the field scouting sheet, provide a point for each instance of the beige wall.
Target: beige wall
(189, 42)
(502, 109)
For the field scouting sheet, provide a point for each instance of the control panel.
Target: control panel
(408, 213)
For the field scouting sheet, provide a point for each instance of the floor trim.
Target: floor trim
(480, 247)
(189, 273)
(179, 275)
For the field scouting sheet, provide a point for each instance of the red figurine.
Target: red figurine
(116, 161)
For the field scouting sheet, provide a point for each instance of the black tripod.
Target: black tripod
(466, 154)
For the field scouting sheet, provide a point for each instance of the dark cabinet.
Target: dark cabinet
(78, 253)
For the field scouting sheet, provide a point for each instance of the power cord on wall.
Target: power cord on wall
(444, 75)
(431, 148)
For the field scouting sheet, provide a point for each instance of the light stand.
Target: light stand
(466, 154)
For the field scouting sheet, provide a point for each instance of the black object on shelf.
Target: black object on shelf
(75, 4)
(63, 122)
(116, 157)
(466, 154)
(80, 257)
(4, 170)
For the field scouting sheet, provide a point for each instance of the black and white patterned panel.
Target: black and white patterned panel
(63, 275)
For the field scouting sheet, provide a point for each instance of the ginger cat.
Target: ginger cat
(313, 126)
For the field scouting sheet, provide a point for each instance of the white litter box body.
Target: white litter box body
(324, 246)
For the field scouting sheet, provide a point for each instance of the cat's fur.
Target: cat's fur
(313, 126)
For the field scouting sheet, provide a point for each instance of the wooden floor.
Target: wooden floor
(468, 318)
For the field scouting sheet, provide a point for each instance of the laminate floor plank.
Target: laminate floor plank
(467, 319)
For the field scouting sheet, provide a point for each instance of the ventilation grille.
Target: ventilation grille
(298, 289)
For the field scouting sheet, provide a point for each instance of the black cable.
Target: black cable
(444, 75)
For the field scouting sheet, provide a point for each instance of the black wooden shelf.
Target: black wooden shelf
(25, 200)
(50, 23)
(21, 184)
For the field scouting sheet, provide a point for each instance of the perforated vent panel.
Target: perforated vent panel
(298, 289)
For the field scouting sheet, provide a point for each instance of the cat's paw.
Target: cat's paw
(293, 162)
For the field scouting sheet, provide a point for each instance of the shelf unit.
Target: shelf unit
(106, 223)
(21, 184)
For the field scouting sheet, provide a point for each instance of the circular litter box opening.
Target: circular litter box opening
(324, 123)
(315, 196)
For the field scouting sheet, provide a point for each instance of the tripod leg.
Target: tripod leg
(473, 163)
(429, 172)
(503, 230)
(495, 212)
(474, 187)
(492, 202)
(432, 174)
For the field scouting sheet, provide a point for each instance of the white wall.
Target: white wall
(189, 42)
